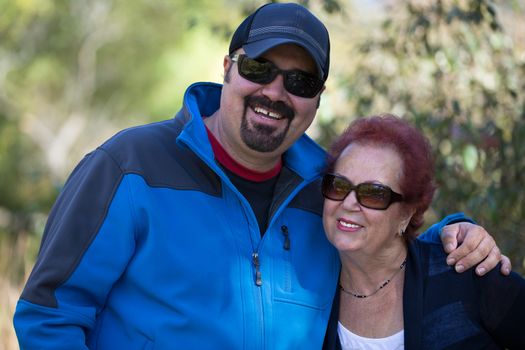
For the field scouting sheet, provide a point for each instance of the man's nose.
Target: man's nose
(275, 89)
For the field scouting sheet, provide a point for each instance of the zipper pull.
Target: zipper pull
(255, 260)
(284, 230)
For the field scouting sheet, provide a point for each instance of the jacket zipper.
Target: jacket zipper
(256, 264)
(287, 274)
(284, 230)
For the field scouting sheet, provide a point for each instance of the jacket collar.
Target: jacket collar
(305, 157)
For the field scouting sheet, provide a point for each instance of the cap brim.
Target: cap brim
(259, 47)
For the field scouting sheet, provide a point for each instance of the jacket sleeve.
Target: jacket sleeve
(502, 307)
(87, 243)
(432, 234)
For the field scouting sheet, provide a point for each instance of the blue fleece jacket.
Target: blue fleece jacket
(150, 246)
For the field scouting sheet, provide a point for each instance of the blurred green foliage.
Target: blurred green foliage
(74, 72)
(450, 67)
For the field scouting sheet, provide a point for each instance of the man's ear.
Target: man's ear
(319, 100)
(227, 64)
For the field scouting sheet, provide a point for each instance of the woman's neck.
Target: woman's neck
(372, 307)
(363, 273)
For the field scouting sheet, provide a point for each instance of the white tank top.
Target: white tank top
(351, 341)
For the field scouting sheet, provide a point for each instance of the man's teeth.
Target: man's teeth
(347, 224)
(267, 113)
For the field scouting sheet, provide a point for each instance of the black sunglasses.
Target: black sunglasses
(368, 194)
(260, 71)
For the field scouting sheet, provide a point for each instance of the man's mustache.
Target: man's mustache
(277, 106)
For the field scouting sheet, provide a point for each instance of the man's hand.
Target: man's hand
(476, 245)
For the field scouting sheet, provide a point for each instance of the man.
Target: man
(204, 232)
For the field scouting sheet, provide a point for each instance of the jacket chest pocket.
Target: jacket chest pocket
(306, 269)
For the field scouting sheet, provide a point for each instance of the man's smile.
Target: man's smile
(267, 113)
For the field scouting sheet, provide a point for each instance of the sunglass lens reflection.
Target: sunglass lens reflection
(296, 82)
(374, 196)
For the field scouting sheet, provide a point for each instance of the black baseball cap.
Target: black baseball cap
(287, 23)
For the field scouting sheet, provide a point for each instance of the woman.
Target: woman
(396, 292)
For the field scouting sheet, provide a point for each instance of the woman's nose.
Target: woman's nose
(351, 202)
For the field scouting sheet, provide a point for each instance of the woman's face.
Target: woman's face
(350, 226)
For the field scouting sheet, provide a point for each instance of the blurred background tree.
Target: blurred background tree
(74, 72)
(450, 67)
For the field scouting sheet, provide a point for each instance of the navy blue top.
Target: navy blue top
(443, 309)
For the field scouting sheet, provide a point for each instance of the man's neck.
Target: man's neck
(254, 161)
(237, 168)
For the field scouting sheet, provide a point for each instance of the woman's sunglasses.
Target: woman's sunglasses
(368, 194)
(296, 82)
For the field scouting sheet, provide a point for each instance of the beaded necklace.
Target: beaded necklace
(383, 285)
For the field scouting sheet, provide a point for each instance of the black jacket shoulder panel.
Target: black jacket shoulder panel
(151, 151)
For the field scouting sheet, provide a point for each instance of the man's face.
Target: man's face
(265, 118)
